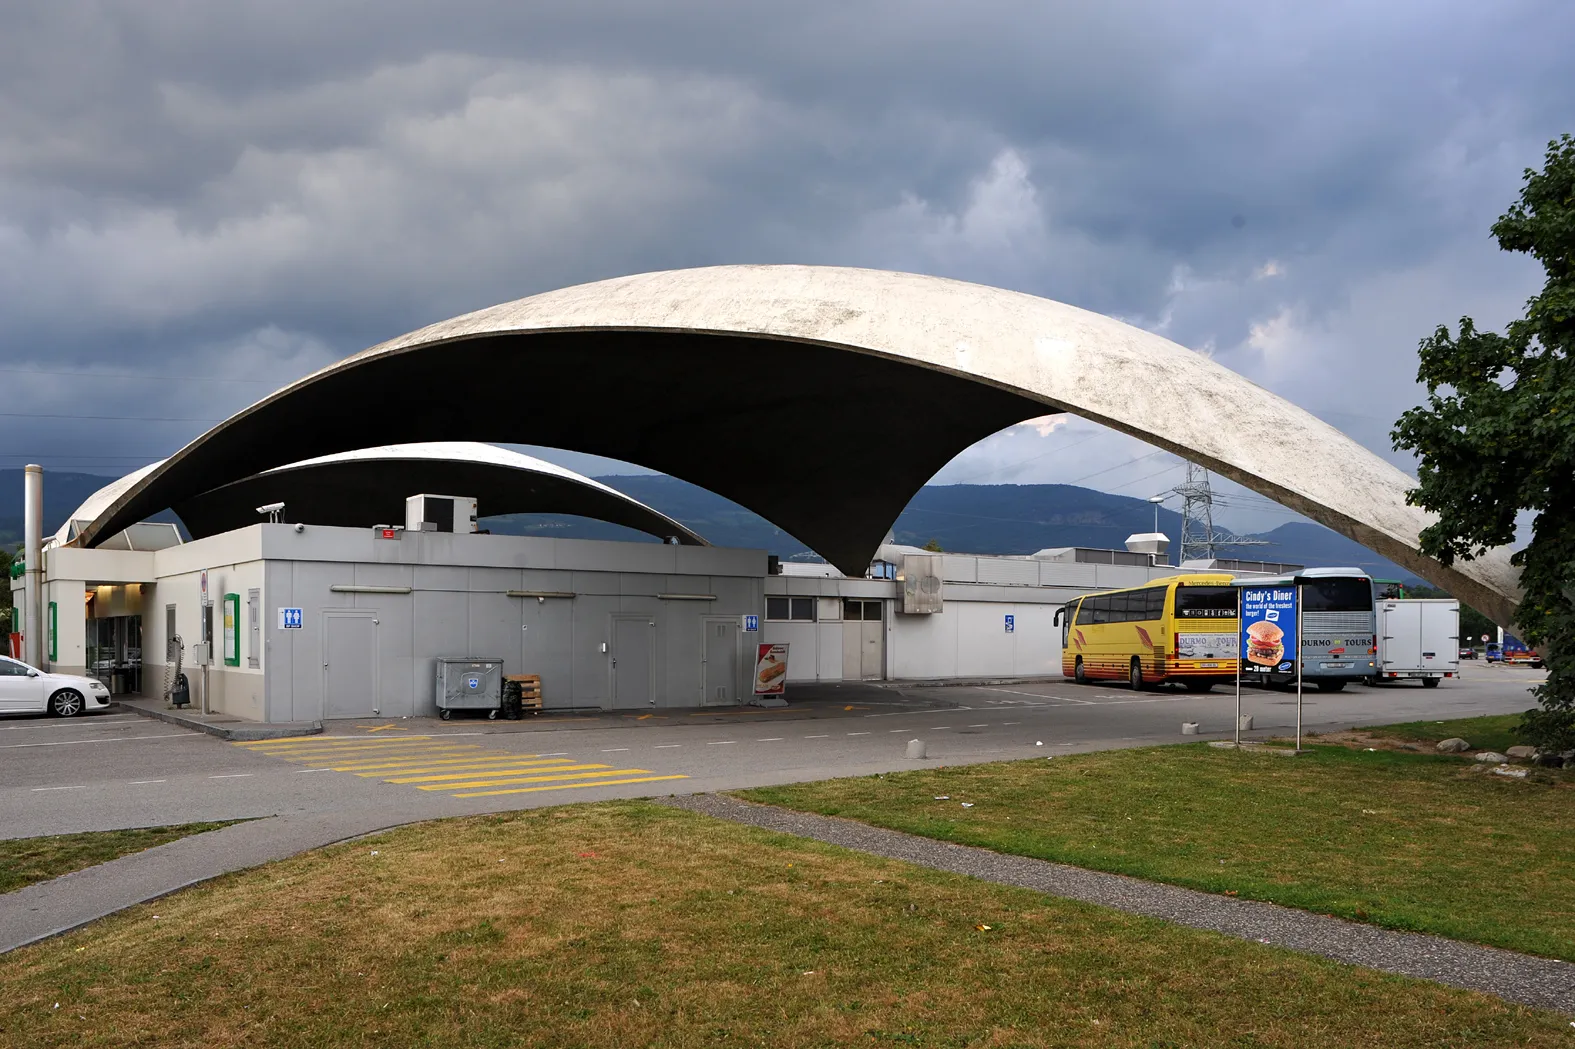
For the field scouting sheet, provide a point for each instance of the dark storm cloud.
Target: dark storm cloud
(245, 191)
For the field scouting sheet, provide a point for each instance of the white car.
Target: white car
(27, 690)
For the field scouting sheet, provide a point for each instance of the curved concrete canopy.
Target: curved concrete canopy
(822, 398)
(369, 486)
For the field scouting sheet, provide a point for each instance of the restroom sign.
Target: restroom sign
(751, 623)
(1011, 624)
(290, 618)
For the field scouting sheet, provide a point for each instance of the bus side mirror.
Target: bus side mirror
(1056, 621)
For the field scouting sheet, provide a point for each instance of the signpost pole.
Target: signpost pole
(1239, 658)
(1298, 668)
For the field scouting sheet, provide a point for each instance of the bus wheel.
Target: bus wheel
(1077, 672)
(1330, 686)
(1198, 686)
(1135, 675)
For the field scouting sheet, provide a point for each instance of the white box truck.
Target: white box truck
(1418, 639)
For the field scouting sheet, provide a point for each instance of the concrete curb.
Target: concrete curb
(1542, 983)
(242, 732)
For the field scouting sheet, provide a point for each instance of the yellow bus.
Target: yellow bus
(1180, 628)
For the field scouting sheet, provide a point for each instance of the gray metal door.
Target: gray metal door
(719, 662)
(254, 629)
(633, 662)
(863, 640)
(349, 666)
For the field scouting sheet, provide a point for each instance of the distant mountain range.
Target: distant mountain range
(979, 519)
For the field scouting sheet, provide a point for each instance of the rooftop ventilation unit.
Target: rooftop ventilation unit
(440, 513)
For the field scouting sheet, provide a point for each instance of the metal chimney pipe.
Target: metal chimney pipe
(33, 554)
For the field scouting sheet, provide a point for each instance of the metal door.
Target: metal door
(719, 662)
(873, 651)
(633, 662)
(349, 665)
(169, 633)
(863, 640)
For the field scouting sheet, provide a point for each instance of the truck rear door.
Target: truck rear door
(1441, 637)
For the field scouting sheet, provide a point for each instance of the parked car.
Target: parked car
(1468, 653)
(1495, 652)
(28, 690)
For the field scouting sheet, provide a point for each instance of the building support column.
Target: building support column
(33, 555)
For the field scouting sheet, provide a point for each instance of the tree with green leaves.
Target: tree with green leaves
(1497, 437)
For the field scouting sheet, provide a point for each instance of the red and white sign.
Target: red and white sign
(205, 586)
(389, 533)
(16, 646)
(770, 669)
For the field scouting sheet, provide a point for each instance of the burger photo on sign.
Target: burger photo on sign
(1265, 643)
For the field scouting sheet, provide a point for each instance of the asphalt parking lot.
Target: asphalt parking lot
(121, 770)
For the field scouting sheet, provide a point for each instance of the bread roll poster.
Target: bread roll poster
(1268, 629)
(770, 670)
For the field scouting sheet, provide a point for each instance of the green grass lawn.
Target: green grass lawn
(24, 861)
(1408, 841)
(628, 924)
(1495, 732)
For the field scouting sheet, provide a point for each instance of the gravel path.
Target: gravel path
(1527, 980)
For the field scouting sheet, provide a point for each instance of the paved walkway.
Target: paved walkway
(53, 907)
(1526, 980)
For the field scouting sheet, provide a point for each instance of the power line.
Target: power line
(104, 418)
(128, 375)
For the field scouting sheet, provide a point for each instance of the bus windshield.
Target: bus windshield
(1337, 595)
(1206, 602)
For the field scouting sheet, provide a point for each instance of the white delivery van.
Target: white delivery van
(1418, 638)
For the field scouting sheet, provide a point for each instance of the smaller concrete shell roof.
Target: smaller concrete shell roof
(369, 486)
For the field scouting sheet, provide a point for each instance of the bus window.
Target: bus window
(1154, 603)
(1206, 602)
(1337, 595)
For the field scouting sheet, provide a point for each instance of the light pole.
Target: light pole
(1156, 500)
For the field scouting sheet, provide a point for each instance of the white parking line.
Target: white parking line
(986, 725)
(666, 746)
(1011, 722)
(858, 733)
(95, 723)
(231, 775)
(554, 754)
(827, 736)
(124, 739)
(613, 750)
(899, 730)
(144, 782)
(771, 739)
(79, 786)
(720, 742)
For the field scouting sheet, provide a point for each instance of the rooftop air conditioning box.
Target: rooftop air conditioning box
(440, 513)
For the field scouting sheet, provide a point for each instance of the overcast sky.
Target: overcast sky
(201, 201)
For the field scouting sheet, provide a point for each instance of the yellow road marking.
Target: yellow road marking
(567, 786)
(379, 761)
(384, 728)
(316, 741)
(391, 747)
(528, 779)
(478, 768)
(490, 773)
(434, 763)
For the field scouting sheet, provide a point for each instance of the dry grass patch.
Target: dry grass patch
(24, 861)
(630, 924)
(1410, 841)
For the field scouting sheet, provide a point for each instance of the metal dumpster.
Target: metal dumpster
(469, 683)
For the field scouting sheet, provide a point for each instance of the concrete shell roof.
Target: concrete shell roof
(368, 486)
(822, 398)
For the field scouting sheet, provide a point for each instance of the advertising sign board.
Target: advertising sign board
(770, 669)
(1268, 630)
